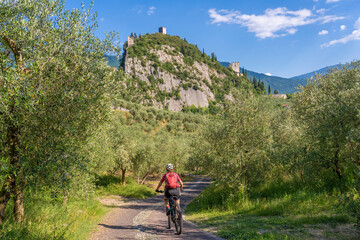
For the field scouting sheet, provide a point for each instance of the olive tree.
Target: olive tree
(124, 143)
(53, 84)
(234, 149)
(328, 106)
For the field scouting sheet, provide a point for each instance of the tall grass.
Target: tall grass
(45, 220)
(272, 211)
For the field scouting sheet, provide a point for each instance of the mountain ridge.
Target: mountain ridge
(282, 85)
(286, 85)
(323, 70)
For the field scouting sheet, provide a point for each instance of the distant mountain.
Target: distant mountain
(282, 85)
(320, 71)
(112, 61)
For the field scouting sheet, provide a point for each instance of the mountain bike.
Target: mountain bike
(175, 215)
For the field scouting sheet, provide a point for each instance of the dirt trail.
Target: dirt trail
(146, 219)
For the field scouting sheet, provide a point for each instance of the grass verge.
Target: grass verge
(112, 185)
(49, 219)
(302, 214)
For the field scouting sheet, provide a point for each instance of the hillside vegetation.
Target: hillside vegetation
(166, 71)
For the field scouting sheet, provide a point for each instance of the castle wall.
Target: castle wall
(130, 41)
(162, 30)
(235, 66)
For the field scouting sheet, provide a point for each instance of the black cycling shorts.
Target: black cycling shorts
(174, 192)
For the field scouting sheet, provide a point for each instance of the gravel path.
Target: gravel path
(146, 219)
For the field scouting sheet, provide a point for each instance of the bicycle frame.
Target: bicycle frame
(172, 208)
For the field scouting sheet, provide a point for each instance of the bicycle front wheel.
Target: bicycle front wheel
(178, 220)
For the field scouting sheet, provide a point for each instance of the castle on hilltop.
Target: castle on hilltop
(131, 41)
(162, 30)
(235, 66)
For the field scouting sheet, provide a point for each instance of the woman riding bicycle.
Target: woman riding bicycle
(173, 185)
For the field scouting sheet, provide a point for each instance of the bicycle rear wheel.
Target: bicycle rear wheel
(178, 220)
(169, 222)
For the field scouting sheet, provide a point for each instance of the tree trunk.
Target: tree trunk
(336, 162)
(123, 176)
(4, 199)
(16, 180)
(19, 203)
(66, 197)
(145, 177)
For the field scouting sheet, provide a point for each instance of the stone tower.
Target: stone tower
(130, 41)
(162, 30)
(235, 66)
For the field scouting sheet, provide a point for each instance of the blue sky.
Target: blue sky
(282, 38)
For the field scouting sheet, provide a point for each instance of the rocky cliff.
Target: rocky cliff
(167, 72)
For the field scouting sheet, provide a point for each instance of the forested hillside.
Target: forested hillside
(167, 72)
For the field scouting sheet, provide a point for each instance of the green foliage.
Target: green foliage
(54, 89)
(298, 162)
(328, 107)
(234, 150)
(194, 109)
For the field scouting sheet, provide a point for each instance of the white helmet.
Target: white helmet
(169, 166)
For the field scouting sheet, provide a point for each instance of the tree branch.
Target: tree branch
(15, 49)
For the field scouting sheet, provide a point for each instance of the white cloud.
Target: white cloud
(357, 24)
(354, 36)
(342, 27)
(291, 31)
(151, 10)
(330, 18)
(323, 32)
(321, 11)
(267, 74)
(315, 0)
(102, 19)
(273, 23)
(332, 1)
